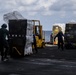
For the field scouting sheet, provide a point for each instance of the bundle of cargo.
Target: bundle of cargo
(12, 15)
(70, 35)
(55, 30)
(20, 34)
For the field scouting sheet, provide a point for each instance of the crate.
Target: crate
(17, 36)
(70, 35)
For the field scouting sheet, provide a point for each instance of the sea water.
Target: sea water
(47, 35)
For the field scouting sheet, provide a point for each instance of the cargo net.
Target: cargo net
(12, 15)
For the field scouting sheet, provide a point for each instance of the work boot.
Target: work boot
(5, 59)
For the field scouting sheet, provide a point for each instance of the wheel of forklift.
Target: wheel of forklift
(43, 45)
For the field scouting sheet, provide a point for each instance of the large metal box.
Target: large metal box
(17, 36)
(70, 35)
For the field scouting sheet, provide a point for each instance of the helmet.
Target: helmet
(4, 26)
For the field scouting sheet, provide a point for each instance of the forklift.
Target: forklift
(37, 30)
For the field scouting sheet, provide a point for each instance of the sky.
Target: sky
(49, 12)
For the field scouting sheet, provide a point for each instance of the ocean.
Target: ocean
(47, 35)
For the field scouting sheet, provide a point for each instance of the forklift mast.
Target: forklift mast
(37, 28)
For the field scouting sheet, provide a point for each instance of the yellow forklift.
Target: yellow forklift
(37, 30)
